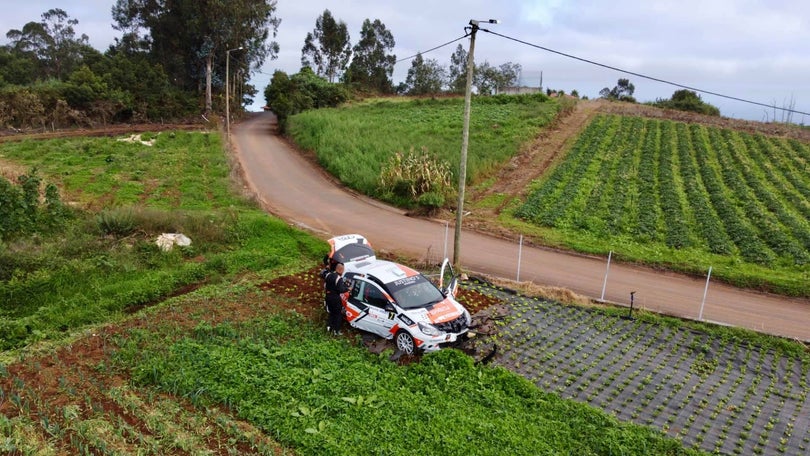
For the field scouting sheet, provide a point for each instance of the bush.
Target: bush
(288, 95)
(687, 100)
(116, 222)
(420, 178)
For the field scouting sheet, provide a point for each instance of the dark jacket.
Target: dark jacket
(334, 284)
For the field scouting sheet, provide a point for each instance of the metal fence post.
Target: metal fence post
(705, 290)
(604, 284)
(520, 255)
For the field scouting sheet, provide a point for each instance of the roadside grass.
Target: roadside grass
(105, 263)
(354, 142)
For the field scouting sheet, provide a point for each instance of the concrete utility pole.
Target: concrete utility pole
(228, 92)
(465, 138)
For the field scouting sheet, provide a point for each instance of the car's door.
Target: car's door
(357, 311)
(381, 315)
(366, 308)
(448, 280)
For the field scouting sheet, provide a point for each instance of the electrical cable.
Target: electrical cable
(433, 49)
(645, 76)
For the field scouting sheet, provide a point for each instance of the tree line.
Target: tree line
(169, 63)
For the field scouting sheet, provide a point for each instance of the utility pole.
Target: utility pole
(465, 137)
(228, 92)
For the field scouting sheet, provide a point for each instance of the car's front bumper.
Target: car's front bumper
(434, 343)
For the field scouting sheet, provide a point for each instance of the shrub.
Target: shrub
(21, 211)
(116, 222)
(421, 178)
(288, 95)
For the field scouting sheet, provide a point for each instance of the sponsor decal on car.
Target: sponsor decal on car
(443, 311)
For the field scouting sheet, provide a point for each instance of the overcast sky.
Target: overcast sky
(749, 49)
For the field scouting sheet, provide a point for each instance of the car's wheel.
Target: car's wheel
(405, 342)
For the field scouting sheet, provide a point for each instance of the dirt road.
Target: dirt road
(292, 188)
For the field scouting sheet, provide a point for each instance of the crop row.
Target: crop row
(721, 191)
(717, 394)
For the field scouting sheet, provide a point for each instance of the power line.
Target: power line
(433, 49)
(645, 76)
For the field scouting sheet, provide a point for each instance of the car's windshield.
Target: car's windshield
(414, 292)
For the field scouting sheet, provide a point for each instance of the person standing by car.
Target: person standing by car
(335, 285)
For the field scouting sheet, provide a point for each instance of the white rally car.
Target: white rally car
(397, 302)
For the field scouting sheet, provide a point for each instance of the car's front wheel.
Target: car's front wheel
(405, 342)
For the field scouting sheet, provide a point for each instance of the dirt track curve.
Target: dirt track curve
(290, 187)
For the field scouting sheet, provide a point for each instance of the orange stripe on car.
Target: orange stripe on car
(351, 314)
(443, 311)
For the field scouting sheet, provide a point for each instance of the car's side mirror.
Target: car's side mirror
(390, 308)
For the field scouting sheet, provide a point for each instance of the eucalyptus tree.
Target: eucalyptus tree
(51, 43)
(327, 49)
(425, 77)
(190, 38)
(373, 63)
(457, 72)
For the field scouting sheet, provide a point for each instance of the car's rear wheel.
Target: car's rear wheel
(405, 342)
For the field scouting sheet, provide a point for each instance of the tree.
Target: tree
(490, 80)
(327, 47)
(623, 91)
(687, 100)
(190, 38)
(289, 95)
(373, 64)
(508, 76)
(425, 76)
(16, 67)
(485, 78)
(457, 72)
(52, 42)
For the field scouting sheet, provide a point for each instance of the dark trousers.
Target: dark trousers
(335, 308)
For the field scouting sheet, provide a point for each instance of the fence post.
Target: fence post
(520, 254)
(446, 229)
(604, 284)
(705, 290)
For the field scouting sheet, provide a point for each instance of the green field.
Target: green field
(326, 396)
(353, 143)
(105, 261)
(684, 195)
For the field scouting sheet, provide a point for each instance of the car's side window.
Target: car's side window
(356, 293)
(374, 296)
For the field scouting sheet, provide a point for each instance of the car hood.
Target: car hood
(445, 311)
